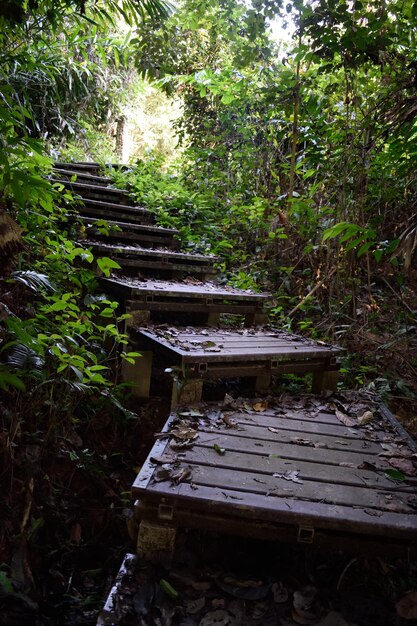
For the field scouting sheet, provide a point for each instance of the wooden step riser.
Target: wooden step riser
(204, 294)
(146, 240)
(135, 266)
(105, 194)
(132, 216)
(81, 177)
(127, 218)
(87, 168)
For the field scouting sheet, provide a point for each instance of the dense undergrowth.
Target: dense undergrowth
(371, 314)
(297, 170)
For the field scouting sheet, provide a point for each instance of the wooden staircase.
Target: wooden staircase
(301, 468)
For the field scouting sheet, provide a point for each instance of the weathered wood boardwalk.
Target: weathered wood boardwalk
(202, 353)
(303, 466)
(310, 468)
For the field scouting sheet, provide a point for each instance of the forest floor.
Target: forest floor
(75, 494)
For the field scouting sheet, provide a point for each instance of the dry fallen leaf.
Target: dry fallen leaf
(184, 432)
(194, 606)
(260, 406)
(304, 598)
(162, 473)
(163, 459)
(302, 442)
(407, 606)
(366, 418)
(292, 476)
(230, 423)
(373, 512)
(181, 474)
(220, 617)
(279, 593)
(403, 465)
(345, 419)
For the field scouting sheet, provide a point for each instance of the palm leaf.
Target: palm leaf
(23, 358)
(33, 280)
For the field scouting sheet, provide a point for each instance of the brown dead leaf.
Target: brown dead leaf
(184, 432)
(304, 598)
(76, 533)
(161, 474)
(243, 583)
(373, 512)
(403, 465)
(396, 506)
(367, 466)
(366, 418)
(345, 419)
(289, 475)
(178, 476)
(230, 423)
(181, 445)
(407, 606)
(302, 442)
(260, 406)
(195, 606)
(163, 458)
(200, 585)
(279, 593)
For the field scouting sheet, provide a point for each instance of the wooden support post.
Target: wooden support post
(155, 541)
(263, 383)
(186, 392)
(255, 319)
(139, 317)
(213, 319)
(139, 374)
(325, 381)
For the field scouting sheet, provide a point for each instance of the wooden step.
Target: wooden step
(141, 234)
(195, 297)
(128, 230)
(79, 166)
(119, 212)
(197, 354)
(89, 166)
(136, 260)
(96, 192)
(288, 468)
(83, 177)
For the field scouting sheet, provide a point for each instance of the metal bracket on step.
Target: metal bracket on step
(165, 512)
(305, 534)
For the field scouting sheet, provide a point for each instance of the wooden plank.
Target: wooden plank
(320, 424)
(132, 227)
(270, 486)
(83, 175)
(184, 267)
(98, 189)
(119, 209)
(263, 346)
(170, 289)
(331, 442)
(253, 507)
(285, 450)
(336, 492)
(137, 251)
(319, 472)
(298, 423)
